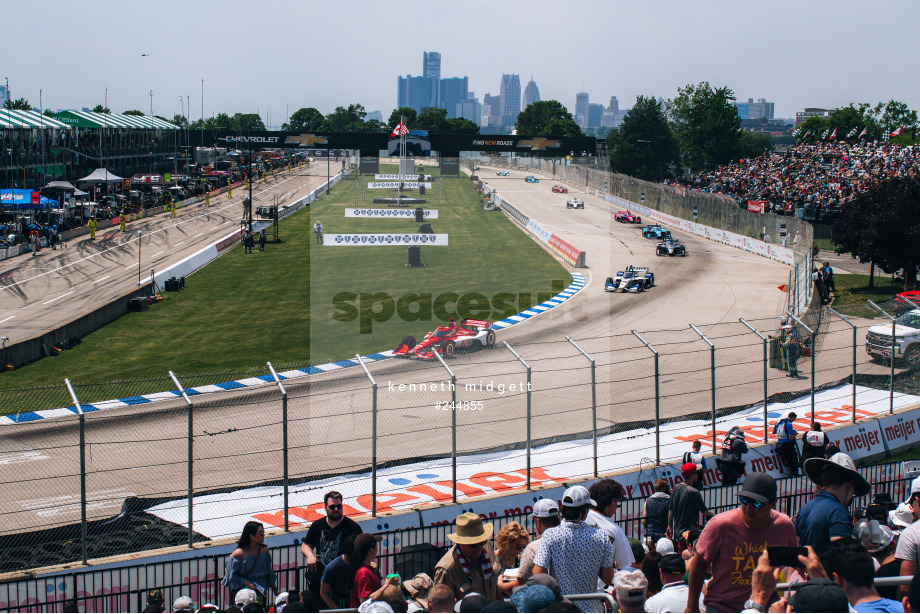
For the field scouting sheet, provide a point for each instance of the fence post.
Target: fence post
(814, 338)
(191, 461)
(284, 443)
(593, 400)
(657, 399)
(854, 358)
(712, 370)
(79, 407)
(891, 362)
(765, 344)
(529, 393)
(373, 436)
(453, 426)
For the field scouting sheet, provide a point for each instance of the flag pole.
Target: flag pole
(402, 154)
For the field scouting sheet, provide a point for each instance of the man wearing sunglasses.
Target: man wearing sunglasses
(733, 541)
(325, 539)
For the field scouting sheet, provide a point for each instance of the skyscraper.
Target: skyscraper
(417, 92)
(510, 95)
(453, 91)
(581, 109)
(491, 111)
(4, 95)
(431, 64)
(595, 114)
(531, 93)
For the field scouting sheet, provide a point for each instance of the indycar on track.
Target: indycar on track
(531, 179)
(627, 218)
(574, 203)
(447, 340)
(656, 232)
(671, 247)
(560, 189)
(502, 173)
(633, 279)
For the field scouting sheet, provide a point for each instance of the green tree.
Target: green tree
(408, 112)
(101, 109)
(133, 112)
(249, 121)
(461, 125)
(306, 119)
(547, 118)
(882, 225)
(433, 119)
(180, 120)
(644, 145)
(221, 122)
(814, 127)
(48, 112)
(350, 119)
(707, 125)
(20, 104)
(754, 144)
(844, 120)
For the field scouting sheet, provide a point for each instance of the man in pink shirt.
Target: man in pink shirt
(732, 542)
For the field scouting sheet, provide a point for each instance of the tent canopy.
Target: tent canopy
(14, 198)
(66, 186)
(100, 175)
(10, 118)
(89, 119)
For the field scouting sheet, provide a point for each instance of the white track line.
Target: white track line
(60, 297)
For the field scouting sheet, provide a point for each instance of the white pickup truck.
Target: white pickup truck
(907, 339)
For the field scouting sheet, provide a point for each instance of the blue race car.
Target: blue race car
(656, 232)
(531, 179)
(502, 173)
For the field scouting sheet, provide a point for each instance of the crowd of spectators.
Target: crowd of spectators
(817, 176)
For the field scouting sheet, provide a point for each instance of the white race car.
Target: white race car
(633, 279)
(575, 203)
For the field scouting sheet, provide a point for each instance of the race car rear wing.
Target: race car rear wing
(477, 323)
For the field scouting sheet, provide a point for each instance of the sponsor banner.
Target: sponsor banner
(385, 239)
(538, 231)
(392, 185)
(421, 486)
(430, 214)
(568, 253)
(757, 206)
(395, 177)
(229, 241)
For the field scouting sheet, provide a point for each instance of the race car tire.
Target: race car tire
(490, 339)
(408, 341)
(650, 281)
(448, 348)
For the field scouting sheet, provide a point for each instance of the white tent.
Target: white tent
(100, 175)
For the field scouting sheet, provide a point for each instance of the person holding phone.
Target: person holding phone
(733, 542)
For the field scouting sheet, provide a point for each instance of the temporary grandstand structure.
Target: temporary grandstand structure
(89, 119)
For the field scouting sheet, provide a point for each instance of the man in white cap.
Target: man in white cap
(577, 553)
(467, 566)
(545, 516)
(183, 604)
(827, 517)
(908, 551)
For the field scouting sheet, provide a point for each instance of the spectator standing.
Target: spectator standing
(467, 567)
(545, 516)
(784, 429)
(576, 552)
(848, 564)
(333, 587)
(673, 594)
(732, 542)
(325, 540)
(608, 494)
(814, 443)
(155, 601)
(318, 231)
(655, 510)
(686, 507)
(826, 517)
(365, 579)
(908, 550)
(250, 565)
(791, 351)
(695, 455)
(732, 464)
(631, 588)
(262, 240)
(510, 542)
(827, 274)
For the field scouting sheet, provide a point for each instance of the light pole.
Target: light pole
(140, 233)
(328, 191)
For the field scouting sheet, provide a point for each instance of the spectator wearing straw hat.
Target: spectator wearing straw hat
(827, 517)
(467, 566)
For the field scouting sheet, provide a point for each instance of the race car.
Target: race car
(633, 279)
(627, 218)
(656, 232)
(531, 179)
(502, 173)
(476, 168)
(447, 340)
(560, 189)
(574, 203)
(671, 247)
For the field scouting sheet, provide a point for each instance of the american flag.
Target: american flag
(864, 132)
(399, 129)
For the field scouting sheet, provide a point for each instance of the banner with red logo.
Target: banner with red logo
(757, 206)
(571, 255)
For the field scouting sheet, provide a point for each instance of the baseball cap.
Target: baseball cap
(244, 596)
(182, 603)
(759, 487)
(630, 584)
(664, 546)
(688, 468)
(577, 496)
(545, 508)
(281, 598)
(673, 564)
(818, 595)
(533, 598)
(365, 540)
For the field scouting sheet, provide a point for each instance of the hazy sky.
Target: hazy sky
(276, 57)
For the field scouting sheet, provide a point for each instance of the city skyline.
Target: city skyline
(314, 61)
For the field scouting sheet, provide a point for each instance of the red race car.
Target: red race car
(560, 189)
(448, 340)
(627, 218)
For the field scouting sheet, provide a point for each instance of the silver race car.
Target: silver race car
(633, 279)
(671, 247)
(574, 203)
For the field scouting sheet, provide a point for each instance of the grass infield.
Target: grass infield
(299, 303)
(853, 291)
